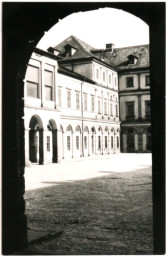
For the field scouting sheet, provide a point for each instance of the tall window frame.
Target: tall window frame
(48, 84)
(68, 98)
(33, 82)
(129, 82)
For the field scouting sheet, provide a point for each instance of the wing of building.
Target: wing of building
(77, 98)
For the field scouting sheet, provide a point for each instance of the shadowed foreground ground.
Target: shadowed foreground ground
(110, 214)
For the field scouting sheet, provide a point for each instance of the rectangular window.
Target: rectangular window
(115, 81)
(77, 100)
(111, 109)
(99, 106)
(105, 141)
(130, 109)
(32, 77)
(117, 141)
(105, 107)
(111, 141)
(109, 79)
(92, 103)
(97, 73)
(32, 90)
(85, 142)
(48, 143)
(117, 110)
(48, 85)
(99, 142)
(130, 82)
(104, 76)
(68, 143)
(85, 101)
(147, 80)
(59, 97)
(77, 142)
(147, 108)
(68, 98)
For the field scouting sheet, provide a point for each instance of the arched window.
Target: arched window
(78, 129)
(69, 128)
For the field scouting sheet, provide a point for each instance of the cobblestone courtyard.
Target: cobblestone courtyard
(101, 206)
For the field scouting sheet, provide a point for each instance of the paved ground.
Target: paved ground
(101, 206)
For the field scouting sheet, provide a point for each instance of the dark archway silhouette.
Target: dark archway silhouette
(23, 26)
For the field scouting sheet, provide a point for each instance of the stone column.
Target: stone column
(27, 159)
(102, 146)
(41, 147)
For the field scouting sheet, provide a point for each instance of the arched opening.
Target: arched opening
(100, 141)
(51, 142)
(36, 154)
(69, 142)
(106, 141)
(62, 142)
(78, 144)
(93, 140)
(130, 140)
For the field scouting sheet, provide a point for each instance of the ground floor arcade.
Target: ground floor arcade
(50, 138)
(136, 138)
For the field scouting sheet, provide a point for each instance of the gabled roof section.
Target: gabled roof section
(120, 57)
(82, 50)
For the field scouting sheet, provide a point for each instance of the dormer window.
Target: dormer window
(132, 59)
(70, 50)
(53, 50)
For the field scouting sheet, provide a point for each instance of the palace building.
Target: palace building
(76, 96)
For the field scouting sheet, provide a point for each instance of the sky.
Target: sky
(97, 28)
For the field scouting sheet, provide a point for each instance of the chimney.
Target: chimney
(109, 47)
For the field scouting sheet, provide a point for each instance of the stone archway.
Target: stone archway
(36, 151)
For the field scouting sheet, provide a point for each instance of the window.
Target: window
(147, 108)
(109, 79)
(117, 110)
(105, 141)
(130, 109)
(115, 81)
(59, 97)
(48, 143)
(104, 76)
(68, 98)
(99, 142)
(48, 85)
(68, 143)
(111, 109)
(97, 73)
(129, 82)
(111, 141)
(85, 142)
(147, 80)
(92, 103)
(105, 107)
(77, 100)
(117, 141)
(77, 142)
(99, 106)
(85, 101)
(32, 82)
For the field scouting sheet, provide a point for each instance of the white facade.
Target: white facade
(66, 116)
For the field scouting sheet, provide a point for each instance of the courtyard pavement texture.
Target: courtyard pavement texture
(96, 206)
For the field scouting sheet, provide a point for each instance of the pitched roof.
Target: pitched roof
(83, 50)
(120, 57)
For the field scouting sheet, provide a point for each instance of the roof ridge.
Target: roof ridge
(132, 46)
